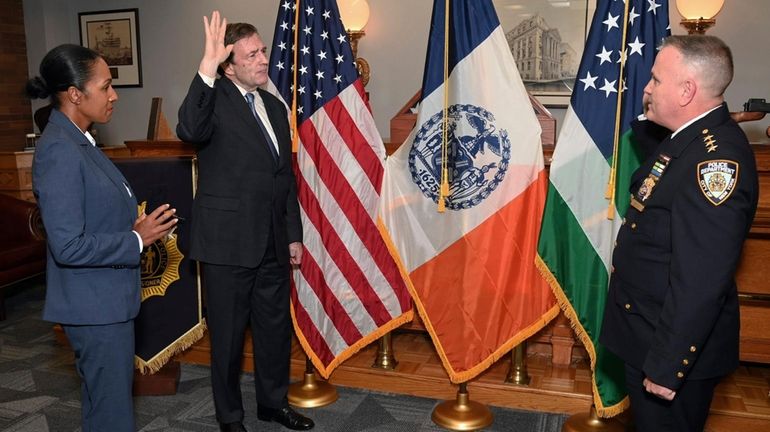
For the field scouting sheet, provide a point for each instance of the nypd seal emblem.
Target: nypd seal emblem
(159, 264)
(717, 179)
(477, 156)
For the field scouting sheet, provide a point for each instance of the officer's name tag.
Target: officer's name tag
(717, 179)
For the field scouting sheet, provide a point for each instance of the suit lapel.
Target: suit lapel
(274, 115)
(96, 157)
(241, 107)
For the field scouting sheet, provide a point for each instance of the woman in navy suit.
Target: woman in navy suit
(94, 236)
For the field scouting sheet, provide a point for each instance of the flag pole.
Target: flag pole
(294, 128)
(386, 357)
(610, 193)
(443, 192)
(517, 374)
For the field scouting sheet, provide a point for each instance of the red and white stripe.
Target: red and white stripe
(349, 289)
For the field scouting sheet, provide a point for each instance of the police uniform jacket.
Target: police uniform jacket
(672, 307)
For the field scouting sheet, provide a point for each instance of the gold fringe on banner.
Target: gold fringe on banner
(182, 343)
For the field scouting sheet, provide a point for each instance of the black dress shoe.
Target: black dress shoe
(285, 416)
(232, 427)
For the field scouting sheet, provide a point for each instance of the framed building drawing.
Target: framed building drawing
(546, 38)
(114, 34)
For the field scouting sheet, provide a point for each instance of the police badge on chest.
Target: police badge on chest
(648, 185)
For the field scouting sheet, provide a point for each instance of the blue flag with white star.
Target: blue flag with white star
(590, 174)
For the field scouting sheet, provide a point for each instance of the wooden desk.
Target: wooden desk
(16, 174)
(16, 170)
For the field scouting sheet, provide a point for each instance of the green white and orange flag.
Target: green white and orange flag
(593, 161)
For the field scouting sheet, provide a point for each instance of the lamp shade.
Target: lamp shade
(354, 13)
(694, 9)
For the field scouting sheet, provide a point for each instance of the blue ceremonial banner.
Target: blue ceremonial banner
(171, 316)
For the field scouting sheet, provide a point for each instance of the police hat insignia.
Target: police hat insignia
(717, 179)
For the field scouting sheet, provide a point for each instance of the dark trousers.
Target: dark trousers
(686, 413)
(259, 297)
(104, 360)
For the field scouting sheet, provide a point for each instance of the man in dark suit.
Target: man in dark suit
(672, 309)
(246, 228)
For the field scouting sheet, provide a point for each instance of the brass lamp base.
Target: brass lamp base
(590, 421)
(311, 393)
(462, 414)
(698, 25)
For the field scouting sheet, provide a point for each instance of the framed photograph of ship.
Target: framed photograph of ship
(115, 35)
(546, 38)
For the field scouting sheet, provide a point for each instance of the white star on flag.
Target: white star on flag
(636, 46)
(633, 15)
(611, 21)
(604, 56)
(608, 87)
(653, 7)
(589, 81)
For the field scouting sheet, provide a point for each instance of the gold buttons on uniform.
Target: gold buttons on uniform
(693, 349)
(628, 306)
(633, 225)
(679, 375)
(685, 362)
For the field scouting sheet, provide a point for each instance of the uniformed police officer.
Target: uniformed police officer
(672, 309)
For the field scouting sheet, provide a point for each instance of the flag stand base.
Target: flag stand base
(517, 374)
(310, 392)
(462, 414)
(592, 422)
(386, 359)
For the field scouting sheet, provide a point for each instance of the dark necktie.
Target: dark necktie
(268, 140)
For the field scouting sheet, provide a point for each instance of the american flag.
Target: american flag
(349, 289)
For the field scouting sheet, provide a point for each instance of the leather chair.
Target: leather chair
(22, 243)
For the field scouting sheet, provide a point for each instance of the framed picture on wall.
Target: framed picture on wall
(546, 39)
(114, 34)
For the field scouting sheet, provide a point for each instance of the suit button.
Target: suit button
(685, 362)
(679, 375)
(633, 225)
(693, 349)
(627, 306)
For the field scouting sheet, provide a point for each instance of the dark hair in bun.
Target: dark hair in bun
(64, 66)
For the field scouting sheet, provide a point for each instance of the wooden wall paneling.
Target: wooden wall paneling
(15, 108)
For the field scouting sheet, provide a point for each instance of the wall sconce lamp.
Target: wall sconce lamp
(698, 14)
(355, 15)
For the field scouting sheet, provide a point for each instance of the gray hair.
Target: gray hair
(708, 56)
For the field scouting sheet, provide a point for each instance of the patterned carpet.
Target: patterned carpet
(39, 391)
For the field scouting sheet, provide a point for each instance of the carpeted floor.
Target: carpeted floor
(39, 391)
